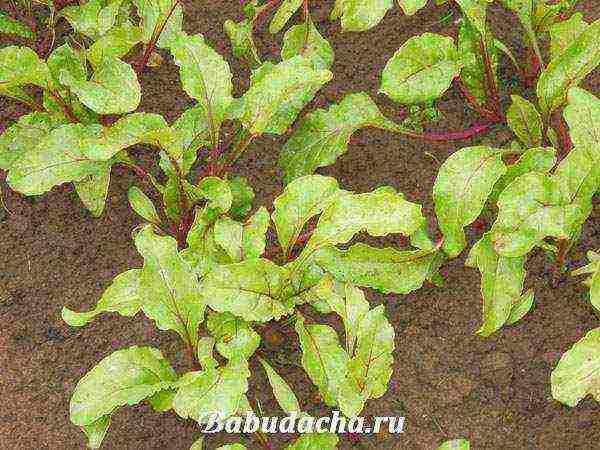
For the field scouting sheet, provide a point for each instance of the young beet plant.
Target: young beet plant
(222, 286)
(208, 275)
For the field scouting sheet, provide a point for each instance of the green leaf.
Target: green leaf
(315, 441)
(154, 13)
(475, 10)
(284, 395)
(113, 88)
(232, 447)
(521, 307)
(284, 13)
(525, 121)
(233, 336)
(248, 290)
(93, 189)
(122, 297)
(563, 33)
(323, 135)
(205, 77)
(191, 133)
(379, 213)
(531, 208)
(370, 368)
(298, 41)
(200, 395)
(540, 160)
(242, 197)
(455, 444)
(199, 444)
(501, 283)
(464, 182)
(125, 377)
(25, 134)
(84, 18)
(421, 70)
(169, 291)
(20, 66)
(68, 153)
(278, 93)
(576, 374)
(205, 353)
(361, 15)
(254, 236)
(301, 200)
(96, 431)
(385, 269)
(571, 67)
(323, 359)
(411, 7)
(242, 42)
(142, 205)
(228, 235)
(217, 193)
(473, 73)
(64, 58)
(593, 281)
(117, 43)
(10, 26)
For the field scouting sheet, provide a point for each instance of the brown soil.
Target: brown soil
(447, 381)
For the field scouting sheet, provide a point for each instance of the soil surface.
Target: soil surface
(447, 381)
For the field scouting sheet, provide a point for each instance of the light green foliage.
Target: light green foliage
(205, 353)
(323, 358)
(242, 42)
(501, 284)
(540, 160)
(65, 58)
(298, 41)
(525, 121)
(455, 444)
(96, 431)
(201, 394)
(254, 235)
(231, 447)
(250, 290)
(360, 15)
(25, 134)
(242, 197)
(562, 34)
(462, 187)
(283, 393)
(205, 76)
(233, 336)
(126, 377)
(379, 213)
(14, 27)
(116, 43)
(93, 18)
(321, 441)
(284, 13)
(121, 297)
(154, 15)
(301, 200)
(568, 69)
(20, 66)
(93, 189)
(475, 11)
(473, 73)
(348, 377)
(576, 374)
(421, 70)
(531, 208)
(169, 292)
(385, 269)
(323, 135)
(68, 153)
(593, 281)
(113, 88)
(142, 205)
(278, 93)
(228, 235)
(410, 7)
